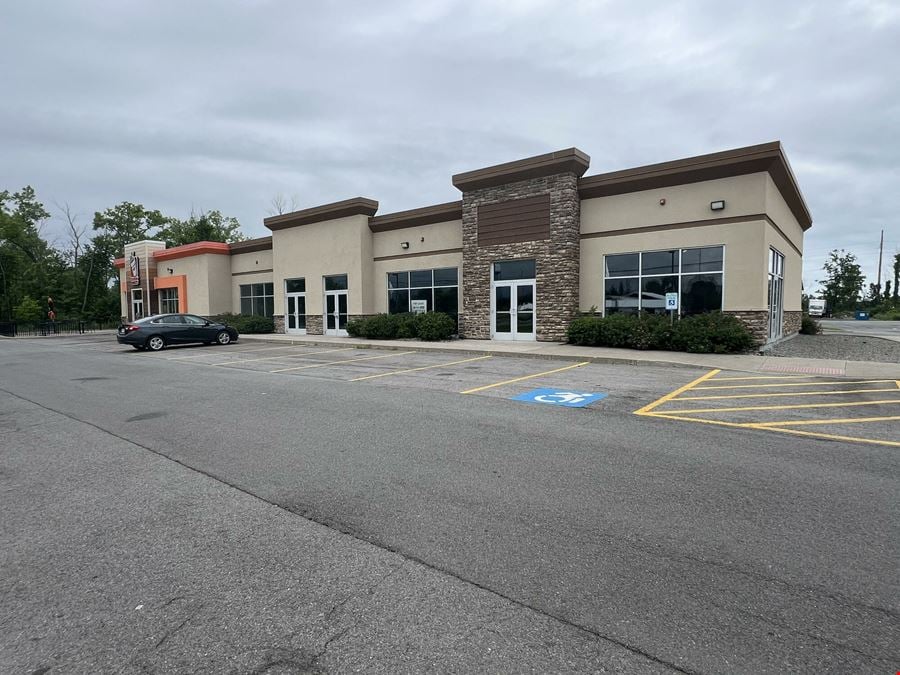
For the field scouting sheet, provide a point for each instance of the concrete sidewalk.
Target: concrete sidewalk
(551, 350)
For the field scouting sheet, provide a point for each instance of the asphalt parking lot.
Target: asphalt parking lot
(698, 535)
(824, 407)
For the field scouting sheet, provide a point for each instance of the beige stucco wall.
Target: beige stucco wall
(743, 195)
(340, 246)
(787, 237)
(381, 269)
(745, 259)
(422, 239)
(251, 262)
(208, 281)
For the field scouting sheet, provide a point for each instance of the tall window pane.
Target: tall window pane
(398, 302)
(446, 300)
(509, 270)
(653, 292)
(438, 288)
(701, 293)
(446, 276)
(398, 280)
(707, 259)
(626, 265)
(622, 296)
(659, 262)
(420, 279)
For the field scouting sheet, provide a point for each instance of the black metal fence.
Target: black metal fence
(47, 328)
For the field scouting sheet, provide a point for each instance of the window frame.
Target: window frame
(267, 297)
(164, 302)
(409, 288)
(679, 274)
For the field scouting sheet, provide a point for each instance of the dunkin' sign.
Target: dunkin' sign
(134, 264)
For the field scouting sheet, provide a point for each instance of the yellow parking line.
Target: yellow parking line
(692, 419)
(410, 370)
(781, 407)
(842, 420)
(771, 395)
(269, 358)
(761, 377)
(650, 406)
(794, 384)
(332, 363)
(834, 437)
(526, 377)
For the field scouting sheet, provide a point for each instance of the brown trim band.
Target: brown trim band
(240, 274)
(767, 157)
(251, 245)
(570, 160)
(693, 223)
(417, 255)
(427, 215)
(358, 206)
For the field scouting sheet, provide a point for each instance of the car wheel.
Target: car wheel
(155, 343)
(223, 338)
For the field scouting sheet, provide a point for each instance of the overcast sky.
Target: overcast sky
(222, 105)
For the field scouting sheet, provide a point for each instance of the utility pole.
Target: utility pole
(880, 252)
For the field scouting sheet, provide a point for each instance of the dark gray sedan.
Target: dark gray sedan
(158, 331)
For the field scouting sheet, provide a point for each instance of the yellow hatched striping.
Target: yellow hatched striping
(795, 384)
(412, 370)
(782, 407)
(526, 377)
(840, 420)
(334, 363)
(793, 393)
(762, 377)
(650, 406)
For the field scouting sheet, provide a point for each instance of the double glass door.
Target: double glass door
(295, 316)
(513, 310)
(335, 318)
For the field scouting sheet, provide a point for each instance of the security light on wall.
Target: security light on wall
(717, 205)
(404, 244)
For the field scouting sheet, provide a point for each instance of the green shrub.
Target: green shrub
(435, 326)
(712, 332)
(428, 326)
(246, 323)
(585, 330)
(809, 326)
(651, 331)
(29, 310)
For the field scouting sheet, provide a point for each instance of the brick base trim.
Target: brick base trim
(279, 323)
(792, 322)
(314, 324)
(757, 322)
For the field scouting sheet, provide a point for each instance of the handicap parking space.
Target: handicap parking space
(836, 408)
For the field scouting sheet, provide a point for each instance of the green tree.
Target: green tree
(844, 282)
(28, 309)
(208, 226)
(24, 255)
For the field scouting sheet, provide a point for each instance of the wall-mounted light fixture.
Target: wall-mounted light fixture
(170, 270)
(717, 205)
(662, 201)
(404, 244)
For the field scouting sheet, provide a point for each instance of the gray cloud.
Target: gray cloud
(215, 105)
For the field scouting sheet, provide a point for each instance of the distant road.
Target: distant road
(883, 329)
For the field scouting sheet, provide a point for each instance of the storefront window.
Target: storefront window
(168, 301)
(638, 282)
(438, 287)
(258, 299)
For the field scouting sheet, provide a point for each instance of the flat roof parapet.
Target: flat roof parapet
(439, 213)
(562, 161)
(357, 206)
(251, 245)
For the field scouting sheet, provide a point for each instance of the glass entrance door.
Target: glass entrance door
(776, 294)
(295, 316)
(336, 313)
(513, 310)
(137, 304)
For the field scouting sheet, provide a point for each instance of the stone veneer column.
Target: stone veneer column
(279, 323)
(314, 324)
(557, 259)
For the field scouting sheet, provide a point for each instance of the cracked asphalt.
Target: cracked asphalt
(158, 517)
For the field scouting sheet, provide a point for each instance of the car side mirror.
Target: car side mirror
(206, 323)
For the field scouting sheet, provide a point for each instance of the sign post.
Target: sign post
(672, 305)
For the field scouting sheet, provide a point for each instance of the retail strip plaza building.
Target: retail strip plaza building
(530, 245)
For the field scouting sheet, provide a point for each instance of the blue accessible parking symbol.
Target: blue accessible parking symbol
(569, 399)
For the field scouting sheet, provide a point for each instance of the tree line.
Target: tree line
(80, 275)
(844, 287)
